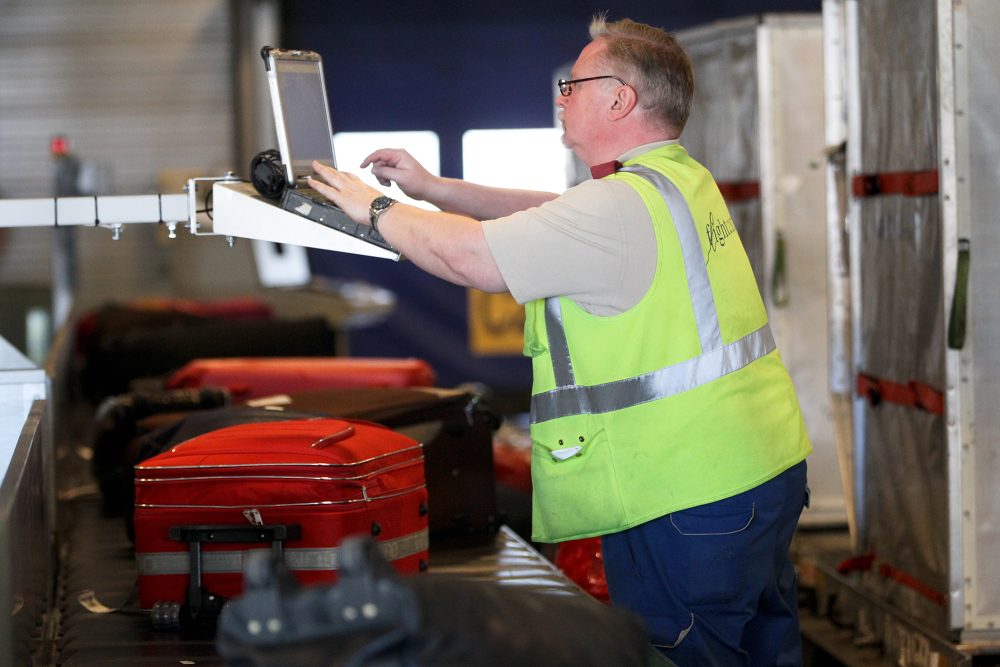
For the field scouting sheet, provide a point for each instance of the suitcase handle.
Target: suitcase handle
(276, 534)
(334, 438)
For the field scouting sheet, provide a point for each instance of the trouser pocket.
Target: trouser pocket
(711, 541)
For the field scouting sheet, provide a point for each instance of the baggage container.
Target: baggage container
(757, 124)
(920, 99)
(313, 481)
(248, 378)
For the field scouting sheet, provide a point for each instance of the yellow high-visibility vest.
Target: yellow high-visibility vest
(679, 401)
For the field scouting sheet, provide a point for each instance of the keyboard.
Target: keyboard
(310, 204)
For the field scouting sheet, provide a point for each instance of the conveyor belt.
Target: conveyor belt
(508, 560)
(99, 622)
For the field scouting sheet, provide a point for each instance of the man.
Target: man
(663, 418)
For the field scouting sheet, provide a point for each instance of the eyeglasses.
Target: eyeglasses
(566, 87)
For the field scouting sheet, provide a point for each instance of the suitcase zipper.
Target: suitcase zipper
(254, 517)
(397, 452)
(396, 466)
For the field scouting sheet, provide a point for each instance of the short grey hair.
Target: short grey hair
(653, 63)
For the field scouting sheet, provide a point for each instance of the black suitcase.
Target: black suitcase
(157, 346)
(116, 425)
(100, 327)
(456, 428)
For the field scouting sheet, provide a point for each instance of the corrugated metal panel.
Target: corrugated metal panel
(757, 117)
(140, 87)
(722, 132)
(984, 309)
(900, 324)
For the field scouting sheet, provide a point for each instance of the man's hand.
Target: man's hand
(395, 164)
(345, 190)
(479, 202)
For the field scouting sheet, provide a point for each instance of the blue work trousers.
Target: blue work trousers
(715, 583)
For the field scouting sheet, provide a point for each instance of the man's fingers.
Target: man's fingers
(323, 171)
(380, 156)
(322, 185)
(390, 155)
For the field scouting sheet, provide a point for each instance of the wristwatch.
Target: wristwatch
(379, 206)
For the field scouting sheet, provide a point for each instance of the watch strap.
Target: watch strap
(379, 205)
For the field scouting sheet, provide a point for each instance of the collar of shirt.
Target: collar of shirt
(607, 168)
(645, 148)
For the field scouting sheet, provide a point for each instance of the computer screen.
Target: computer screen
(305, 116)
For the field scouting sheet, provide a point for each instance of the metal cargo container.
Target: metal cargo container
(757, 124)
(921, 97)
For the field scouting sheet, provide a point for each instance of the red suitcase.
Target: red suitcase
(248, 378)
(323, 478)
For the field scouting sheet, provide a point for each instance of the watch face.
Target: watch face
(375, 209)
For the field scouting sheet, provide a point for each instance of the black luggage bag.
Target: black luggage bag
(116, 425)
(155, 345)
(373, 617)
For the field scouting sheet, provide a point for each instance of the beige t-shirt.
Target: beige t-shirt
(594, 244)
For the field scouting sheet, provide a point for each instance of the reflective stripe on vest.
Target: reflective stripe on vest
(715, 361)
(706, 316)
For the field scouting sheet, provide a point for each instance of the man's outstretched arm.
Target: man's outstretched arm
(450, 194)
(447, 245)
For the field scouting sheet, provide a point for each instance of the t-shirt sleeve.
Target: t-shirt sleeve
(594, 244)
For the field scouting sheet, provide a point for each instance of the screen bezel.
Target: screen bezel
(295, 167)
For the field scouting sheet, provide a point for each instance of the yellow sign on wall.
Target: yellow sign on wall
(496, 324)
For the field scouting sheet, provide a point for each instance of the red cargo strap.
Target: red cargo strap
(913, 394)
(861, 563)
(889, 572)
(866, 562)
(735, 192)
(909, 183)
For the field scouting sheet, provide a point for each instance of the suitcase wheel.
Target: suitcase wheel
(166, 616)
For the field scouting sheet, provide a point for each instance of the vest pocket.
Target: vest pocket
(574, 485)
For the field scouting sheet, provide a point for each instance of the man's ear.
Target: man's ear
(623, 102)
